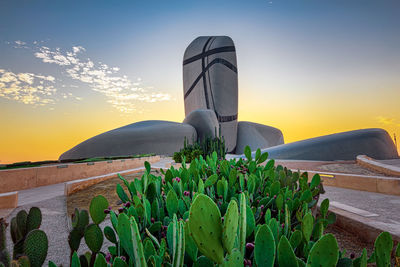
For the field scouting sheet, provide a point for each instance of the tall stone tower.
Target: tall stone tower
(210, 82)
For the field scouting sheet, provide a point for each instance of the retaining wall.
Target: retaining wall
(25, 178)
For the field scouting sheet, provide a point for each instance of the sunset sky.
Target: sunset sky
(70, 70)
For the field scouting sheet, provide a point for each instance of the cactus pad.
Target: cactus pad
(324, 253)
(286, 256)
(97, 207)
(383, 249)
(264, 247)
(229, 229)
(35, 247)
(205, 226)
(34, 219)
(94, 237)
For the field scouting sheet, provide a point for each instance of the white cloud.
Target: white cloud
(387, 121)
(121, 92)
(27, 88)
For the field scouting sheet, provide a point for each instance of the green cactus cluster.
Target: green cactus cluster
(30, 243)
(215, 212)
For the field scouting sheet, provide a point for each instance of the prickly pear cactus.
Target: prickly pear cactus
(4, 255)
(97, 207)
(235, 259)
(94, 237)
(286, 256)
(35, 247)
(229, 229)
(242, 223)
(34, 219)
(205, 226)
(307, 226)
(172, 203)
(324, 253)
(264, 247)
(383, 249)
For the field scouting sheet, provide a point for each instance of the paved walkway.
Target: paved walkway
(377, 210)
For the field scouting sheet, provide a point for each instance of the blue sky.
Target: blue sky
(302, 64)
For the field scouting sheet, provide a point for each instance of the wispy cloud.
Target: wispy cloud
(27, 88)
(121, 92)
(387, 121)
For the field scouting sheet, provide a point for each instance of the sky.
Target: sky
(70, 70)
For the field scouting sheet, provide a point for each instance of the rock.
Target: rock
(204, 121)
(210, 82)
(159, 137)
(257, 136)
(375, 143)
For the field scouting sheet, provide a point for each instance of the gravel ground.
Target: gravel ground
(54, 224)
(81, 199)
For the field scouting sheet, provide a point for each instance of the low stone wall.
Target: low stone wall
(25, 178)
(370, 163)
(9, 200)
(77, 185)
(377, 184)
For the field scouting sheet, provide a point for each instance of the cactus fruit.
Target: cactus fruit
(205, 226)
(229, 229)
(264, 247)
(36, 245)
(97, 207)
(172, 203)
(307, 226)
(324, 253)
(34, 219)
(383, 249)
(286, 256)
(94, 237)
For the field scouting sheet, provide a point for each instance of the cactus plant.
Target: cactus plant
(205, 226)
(34, 219)
(35, 247)
(286, 256)
(264, 247)
(242, 223)
(94, 237)
(230, 226)
(383, 248)
(97, 207)
(324, 253)
(4, 255)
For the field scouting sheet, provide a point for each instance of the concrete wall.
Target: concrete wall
(20, 179)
